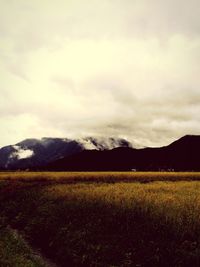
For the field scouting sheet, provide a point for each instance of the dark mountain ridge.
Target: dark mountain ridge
(181, 155)
(92, 154)
(32, 153)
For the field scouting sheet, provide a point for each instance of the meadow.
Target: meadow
(99, 219)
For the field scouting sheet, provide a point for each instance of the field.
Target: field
(99, 219)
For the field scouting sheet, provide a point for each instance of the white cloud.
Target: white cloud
(74, 68)
(21, 153)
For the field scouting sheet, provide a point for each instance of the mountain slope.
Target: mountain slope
(38, 152)
(181, 155)
(100, 154)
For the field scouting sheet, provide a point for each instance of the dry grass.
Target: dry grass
(107, 219)
(100, 176)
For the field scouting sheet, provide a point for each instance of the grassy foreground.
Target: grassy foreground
(100, 219)
(14, 251)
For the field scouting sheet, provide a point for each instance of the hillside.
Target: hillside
(32, 153)
(181, 155)
(103, 154)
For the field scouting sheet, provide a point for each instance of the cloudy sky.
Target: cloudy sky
(72, 68)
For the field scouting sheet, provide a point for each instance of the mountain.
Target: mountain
(181, 155)
(100, 154)
(39, 152)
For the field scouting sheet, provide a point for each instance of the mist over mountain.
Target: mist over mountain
(100, 154)
(39, 152)
(181, 155)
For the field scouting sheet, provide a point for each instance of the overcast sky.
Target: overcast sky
(72, 68)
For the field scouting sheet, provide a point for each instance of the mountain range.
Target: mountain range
(100, 154)
(36, 153)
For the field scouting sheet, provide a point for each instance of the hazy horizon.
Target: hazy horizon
(78, 68)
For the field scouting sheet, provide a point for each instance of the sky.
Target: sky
(120, 68)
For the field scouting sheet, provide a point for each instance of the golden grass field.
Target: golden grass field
(103, 219)
(101, 176)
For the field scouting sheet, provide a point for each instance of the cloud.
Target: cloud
(116, 68)
(21, 153)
